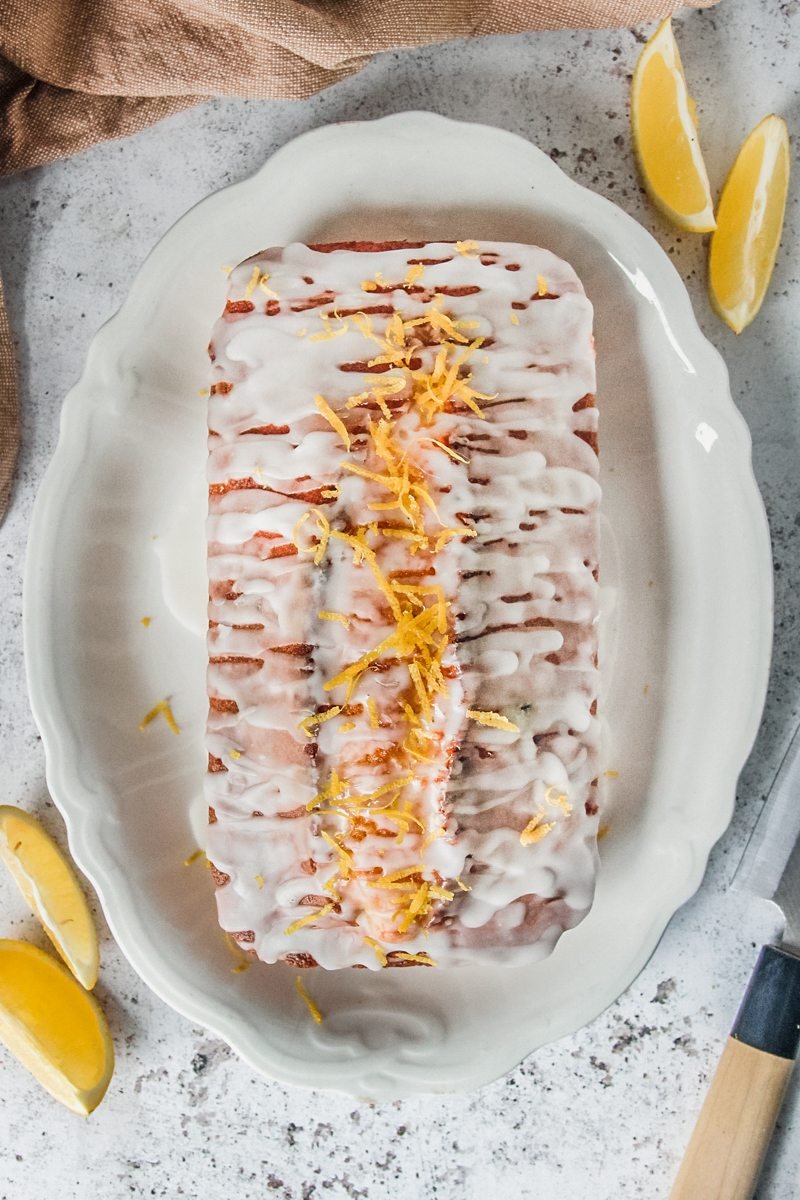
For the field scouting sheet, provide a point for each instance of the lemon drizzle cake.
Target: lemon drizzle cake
(403, 542)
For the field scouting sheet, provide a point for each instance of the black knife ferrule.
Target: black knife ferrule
(769, 1016)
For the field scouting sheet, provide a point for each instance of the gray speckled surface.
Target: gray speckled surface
(607, 1112)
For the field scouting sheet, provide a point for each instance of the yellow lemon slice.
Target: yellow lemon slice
(50, 885)
(665, 135)
(54, 1027)
(749, 225)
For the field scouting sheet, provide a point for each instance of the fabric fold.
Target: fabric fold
(9, 413)
(77, 73)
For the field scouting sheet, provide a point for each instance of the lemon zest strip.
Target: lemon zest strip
(333, 419)
(334, 616)
(493, 720)
(313, 722)
(300, 988)
(162, 709)
(306, 920)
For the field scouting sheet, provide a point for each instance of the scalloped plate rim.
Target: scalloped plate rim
(75, 796)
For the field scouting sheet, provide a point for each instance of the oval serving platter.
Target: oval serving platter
(117, 534)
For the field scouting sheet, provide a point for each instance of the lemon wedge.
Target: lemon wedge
(749, 225)
(50, 886)
(665, 135)
(54, 1027)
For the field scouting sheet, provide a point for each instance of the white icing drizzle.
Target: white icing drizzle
(524, 605)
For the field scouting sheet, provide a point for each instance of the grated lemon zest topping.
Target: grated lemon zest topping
(396, 876)
(297, 527)
(414, 752)
(311, 723)
(251, 287)
(363, 553)
(162, 709)
(493, 720)
(300, 988)
(558, 799)
(392, 785)
(333, 420)
(422, 957)
(514, 318)
(259, 881)
(244, 959)
(328, 333)
(420, 635)
(447, 325)
(362, 324)
(453, 454)
(319, 546)
(417, 906)
(378, 390)
(145, 621)
(422, 693)
(308, 918)
(536, 829)
(468, 249)
(432, 836)
(345, 861)
(372, 285)
(262, 283)
(380, 953)
(236, 754)
(447, 534)
(541, 285)
(324, 526)
(193, 857)
(338, 791)
(334, 616)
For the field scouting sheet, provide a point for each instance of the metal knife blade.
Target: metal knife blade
(787, 897)
(770, 865)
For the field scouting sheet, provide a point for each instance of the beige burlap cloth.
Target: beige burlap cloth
(73, 72)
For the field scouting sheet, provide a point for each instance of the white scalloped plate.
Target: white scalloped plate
(117, 534)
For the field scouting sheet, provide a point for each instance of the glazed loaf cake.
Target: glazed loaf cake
(403, 563)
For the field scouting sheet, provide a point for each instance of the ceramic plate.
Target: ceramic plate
(118, 535)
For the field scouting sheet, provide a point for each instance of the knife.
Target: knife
(738, 1116)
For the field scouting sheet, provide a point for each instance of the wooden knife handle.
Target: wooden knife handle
(738, 1116)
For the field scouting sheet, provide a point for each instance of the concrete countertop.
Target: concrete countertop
(606, 1113)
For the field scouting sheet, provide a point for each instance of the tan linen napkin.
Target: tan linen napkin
(9, 416)
(74, 72)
